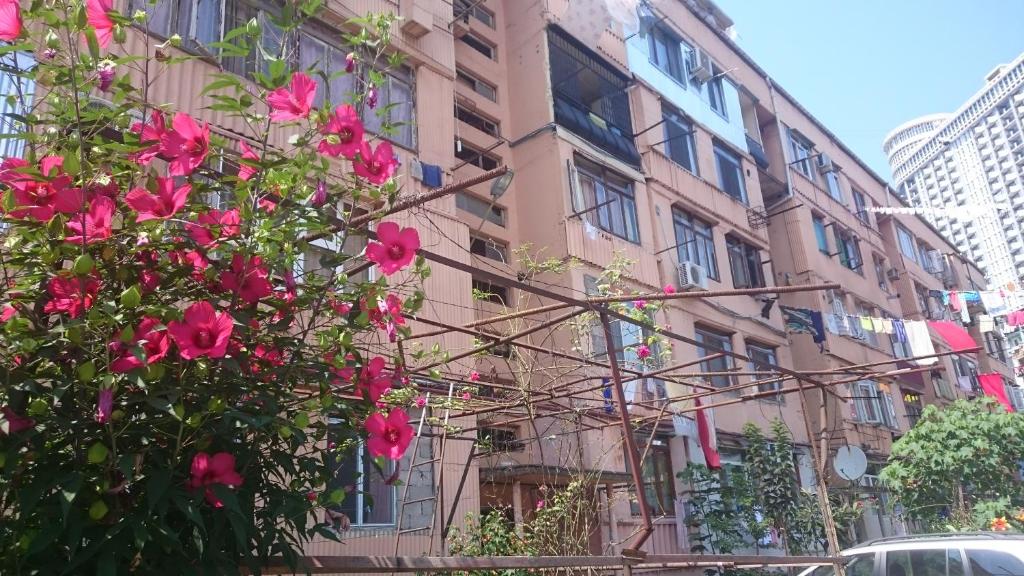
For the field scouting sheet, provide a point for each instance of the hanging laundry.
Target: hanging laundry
(965, 314)
(1015, 318)
(954, 301)
(878, 325)
(899, 330)
(971, 297)
(711, 456)
(887, 327)
(986, 323)
(866, 324)
(606, 392)
(832, 323)
(920, 341)
(994, 303)
(957, 338)
(993, 386)
(804, 321)
(964, 383)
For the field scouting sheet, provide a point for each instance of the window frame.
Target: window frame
(674, 67)
(675, 119)
(725, 155)
(834, 186)
(474, 9)
(491, 245)
(768, 355)
(697, 243)
(657, 472)
(478, 207)
(745, 257)
(716, 93)
(802, 151)
(480, 45)
(848, 249)
(360, 454)
(473, 82)
(861, 203)
(609, 185)
(821, 234)
(704, 335)
(906, 241)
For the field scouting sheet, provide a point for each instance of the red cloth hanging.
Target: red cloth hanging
(993, 386)
(954, 301)
(711, 456)
(957, 338)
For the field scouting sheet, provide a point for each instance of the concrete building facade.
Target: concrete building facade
(671, 149)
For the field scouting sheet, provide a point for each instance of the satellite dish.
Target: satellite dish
(850, 462)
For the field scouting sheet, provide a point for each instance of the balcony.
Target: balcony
(757, 151)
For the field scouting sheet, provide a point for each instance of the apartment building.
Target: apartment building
(969, 164)
(666, 146)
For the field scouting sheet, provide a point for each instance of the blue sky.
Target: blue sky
(863, 67)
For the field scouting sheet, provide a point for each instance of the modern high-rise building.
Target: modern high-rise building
(969, 167)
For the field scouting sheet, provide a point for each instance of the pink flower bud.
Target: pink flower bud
(350, 62)
(669, 289)
(371, 97)
(474, 376)
(320, 195)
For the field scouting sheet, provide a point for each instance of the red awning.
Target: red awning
(954, 335)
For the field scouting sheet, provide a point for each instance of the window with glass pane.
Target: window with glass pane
(762, 358)
(612, 195)
(666, 53)
(849, 250)
(867, 402)
(801, 151)
(834, 189)
(906, 242)
(695, 241)
(479, 86)
(745, 263)
(880, 272)
(679, 143)
(820, 235)
(198, 22)
(369, 500)
(18, 91)
(927, 562)
(730, 172)
(716, 94)
(658, 476)
(861, 204)
(711, 342)
(859, 565)
(481, 208)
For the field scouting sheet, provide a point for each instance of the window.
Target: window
(479, 86)
(679, 143)
(716, 94)
(479, 44)
(862, 309)
(966, 373)
(848, 248)
(612, 195)
(710, 342)
(942, 387)
(323, 259)
(906, 241)
(696, 242)
(861, 204)
(914, 407)
(481, 208)
(859, 565)
(198, 22)
(926, 562)
(867, 402)
(466, 8)
(372, 501)
(745, 263)
(659, 480)
(393, 118)
(820, 235)
(880, 272)
(487, 292)
(626, 338)
(995, 345)
(801, 151)
(730, 172)
(488, 248)
(500, 440)
(471, 156)
(923, 300)
(477, 121)
(18, 92)
(834, 188)
(666, 53)
(762, 358)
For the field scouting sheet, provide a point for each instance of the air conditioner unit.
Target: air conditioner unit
(692, 276)
(892, 274)
(825, 164)
(701, 68)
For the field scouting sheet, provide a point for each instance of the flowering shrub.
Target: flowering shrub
(170, 362)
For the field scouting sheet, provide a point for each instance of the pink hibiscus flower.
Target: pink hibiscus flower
(208, 470)
(215, 226)
(245, 171)
(292, 104)
(643, 351)
(37, 197)
(371, 381)
(71, 295)
(248, 279)
(10, 20)
(94, 225)
(104, 405)
(343, 133)
(162, 205)
(389, 436)
(203, 332)
(387, 315)
(394, 249)
(12, 423)
(7, 313)
(97, 14)
(150, 133)
(376, 166)
(155, 345)
(185, 144)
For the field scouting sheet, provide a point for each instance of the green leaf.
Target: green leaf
(68, 492)
(98, 453)
(131, 297)
(98, 510)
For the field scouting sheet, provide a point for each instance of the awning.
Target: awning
(954, 335)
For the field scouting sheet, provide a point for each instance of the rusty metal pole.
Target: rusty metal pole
(630, 442)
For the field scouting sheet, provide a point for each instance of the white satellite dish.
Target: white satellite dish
(850, 462)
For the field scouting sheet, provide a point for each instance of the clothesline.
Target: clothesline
(969, 211)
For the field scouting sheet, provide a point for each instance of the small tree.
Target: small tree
(955, 459)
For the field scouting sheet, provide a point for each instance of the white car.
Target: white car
(953, 554)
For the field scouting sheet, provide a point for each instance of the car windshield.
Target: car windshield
(859, 565)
